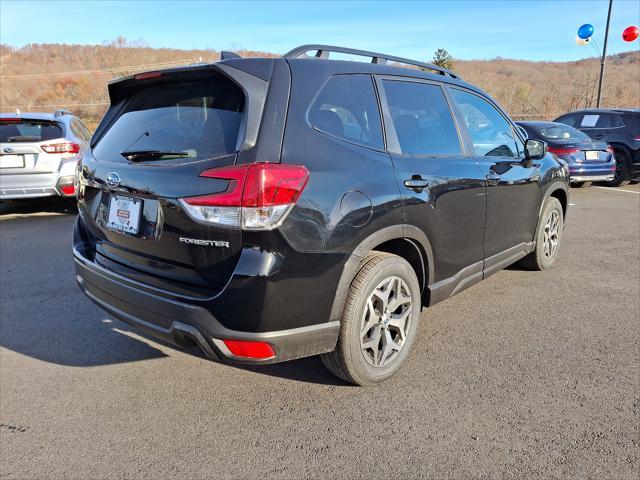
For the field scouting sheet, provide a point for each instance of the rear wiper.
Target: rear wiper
(133, 155)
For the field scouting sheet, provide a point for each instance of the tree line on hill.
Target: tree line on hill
(43, 77)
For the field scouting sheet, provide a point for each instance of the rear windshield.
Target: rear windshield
(194, 119)
(29, 131)
(562, 132)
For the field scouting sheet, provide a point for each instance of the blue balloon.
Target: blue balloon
(585, 31)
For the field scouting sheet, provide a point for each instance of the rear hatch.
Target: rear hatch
(24, 143)
(162, 131)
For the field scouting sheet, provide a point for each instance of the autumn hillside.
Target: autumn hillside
(47, 76)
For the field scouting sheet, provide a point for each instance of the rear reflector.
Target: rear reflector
(247, 349)
(68, 190)
(258, 196)
(66, 147)
(563, 151)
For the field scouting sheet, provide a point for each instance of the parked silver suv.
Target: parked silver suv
(39, 153)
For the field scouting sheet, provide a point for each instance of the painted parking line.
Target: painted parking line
(610, 189)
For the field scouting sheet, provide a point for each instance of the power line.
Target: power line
(103, 70)
(55, 105)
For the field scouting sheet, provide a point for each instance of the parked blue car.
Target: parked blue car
(589, 160)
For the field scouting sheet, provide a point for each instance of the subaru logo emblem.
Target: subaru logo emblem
(7, 150)
(113, 179)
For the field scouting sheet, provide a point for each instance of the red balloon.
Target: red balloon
(630, 33)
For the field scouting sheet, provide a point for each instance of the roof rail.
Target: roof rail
(322, 51)
(61, 112)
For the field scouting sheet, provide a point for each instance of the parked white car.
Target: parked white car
(39, 153)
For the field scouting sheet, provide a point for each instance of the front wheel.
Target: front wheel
(548, 237)
(379, 321)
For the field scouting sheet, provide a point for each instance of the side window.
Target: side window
(86, 134)
(422, 118)
(73, 126)
(492, 135)
(347, 108)
(571, 120)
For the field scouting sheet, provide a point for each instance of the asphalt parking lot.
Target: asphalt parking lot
(526, 375)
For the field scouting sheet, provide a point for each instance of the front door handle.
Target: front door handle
(416, 183)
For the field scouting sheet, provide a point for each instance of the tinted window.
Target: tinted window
(347, 108)
(200, 119)
(421, 118)
(571, 120)
(492, 135)
(561, 132)
(29, 131)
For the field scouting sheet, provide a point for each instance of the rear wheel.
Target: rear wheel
(548, 237)
(622, 175)
(379, 321)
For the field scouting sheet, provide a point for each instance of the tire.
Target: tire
(580, 184)
(373, 346)
(622, 176)
(546, 251)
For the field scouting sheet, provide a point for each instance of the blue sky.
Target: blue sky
(532, 30)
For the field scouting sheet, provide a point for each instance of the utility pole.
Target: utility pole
(604, 54)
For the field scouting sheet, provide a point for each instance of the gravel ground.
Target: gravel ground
(526, 375)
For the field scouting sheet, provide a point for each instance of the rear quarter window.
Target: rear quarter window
(347, 108)
(27, 131)
(198, 118)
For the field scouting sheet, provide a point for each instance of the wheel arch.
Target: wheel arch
(407, 242)
(559, 190)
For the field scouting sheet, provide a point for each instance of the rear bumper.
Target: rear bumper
(185, 324)
(33, 185)
(591, 178)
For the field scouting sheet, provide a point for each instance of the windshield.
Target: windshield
(23, 131)
(562, 132)
(185, 119)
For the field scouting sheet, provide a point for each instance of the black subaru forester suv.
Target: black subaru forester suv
(272, 209)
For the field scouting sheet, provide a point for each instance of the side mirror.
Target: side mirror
(534, 149)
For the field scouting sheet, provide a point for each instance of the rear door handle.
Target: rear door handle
(416, 183)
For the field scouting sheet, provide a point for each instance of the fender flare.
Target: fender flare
(551, 189)
(414, 235)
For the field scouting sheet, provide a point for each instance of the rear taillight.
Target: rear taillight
(68, 189)
(258, 197)
(66, 147)
(10, 120)
(563, 151)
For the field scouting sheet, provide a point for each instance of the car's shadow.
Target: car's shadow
(44, 205)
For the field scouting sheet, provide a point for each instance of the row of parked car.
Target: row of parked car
(39, 150)
(599, 145)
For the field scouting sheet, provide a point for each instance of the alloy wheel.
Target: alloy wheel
(385, 321)
(551, 234)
